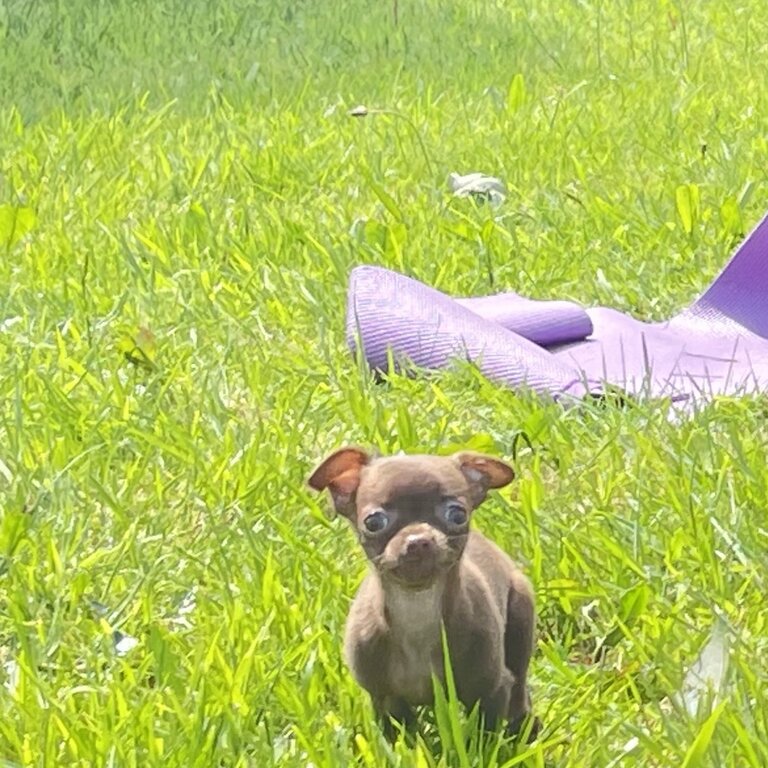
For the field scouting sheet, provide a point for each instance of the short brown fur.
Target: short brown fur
(430, 571)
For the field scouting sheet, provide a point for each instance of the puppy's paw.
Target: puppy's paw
(526, 727)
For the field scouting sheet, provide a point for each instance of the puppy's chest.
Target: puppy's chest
(415, 651)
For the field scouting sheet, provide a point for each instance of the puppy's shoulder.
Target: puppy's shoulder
(367, 637)
(366, 618)
(490, 559)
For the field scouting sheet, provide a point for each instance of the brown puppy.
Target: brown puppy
(430, 571)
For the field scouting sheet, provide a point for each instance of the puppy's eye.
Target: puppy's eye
(376, 521)
(455, 514)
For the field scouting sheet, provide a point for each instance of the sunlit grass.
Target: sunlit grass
(179, 186)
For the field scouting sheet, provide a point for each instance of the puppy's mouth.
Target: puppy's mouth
(417, 570)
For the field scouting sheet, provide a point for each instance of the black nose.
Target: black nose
(417, 545)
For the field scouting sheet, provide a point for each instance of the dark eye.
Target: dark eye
(376, 521)
(455, 514)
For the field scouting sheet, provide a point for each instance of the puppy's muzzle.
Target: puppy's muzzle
(418, 546)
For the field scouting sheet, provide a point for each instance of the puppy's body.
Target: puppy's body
(393, 640)
(430, 571)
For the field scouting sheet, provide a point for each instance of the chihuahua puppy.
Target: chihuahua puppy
(429, 572)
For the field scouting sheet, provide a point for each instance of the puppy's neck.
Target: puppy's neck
(413, 612)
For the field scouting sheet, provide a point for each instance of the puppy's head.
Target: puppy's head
(411, 512)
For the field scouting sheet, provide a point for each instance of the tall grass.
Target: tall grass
(179, 186)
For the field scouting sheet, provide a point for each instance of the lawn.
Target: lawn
(182, 196)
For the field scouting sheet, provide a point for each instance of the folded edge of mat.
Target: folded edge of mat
(391, 314)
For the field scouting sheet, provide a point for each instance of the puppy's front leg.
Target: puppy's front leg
(525, 725)
(518, 647)
(519, 711)
(495, 701)
(508, 700)
(391, 711)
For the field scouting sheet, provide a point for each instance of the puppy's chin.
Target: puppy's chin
(416, 574)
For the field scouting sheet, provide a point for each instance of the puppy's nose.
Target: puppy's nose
(417, 544)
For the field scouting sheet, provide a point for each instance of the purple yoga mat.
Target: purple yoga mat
(718, 345)
(543, 322)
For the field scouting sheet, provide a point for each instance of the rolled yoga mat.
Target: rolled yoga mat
(718, 345)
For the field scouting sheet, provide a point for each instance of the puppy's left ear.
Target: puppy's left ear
(482, 473)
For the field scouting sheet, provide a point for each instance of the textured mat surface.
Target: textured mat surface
(718, 345)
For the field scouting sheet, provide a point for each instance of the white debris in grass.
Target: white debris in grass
(124, 643)
(704, 681)
(9, 322)
(185, 610)
(630, 746)
(479, 186)
(12, 675)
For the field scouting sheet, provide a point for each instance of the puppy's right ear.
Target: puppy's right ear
(340, 474)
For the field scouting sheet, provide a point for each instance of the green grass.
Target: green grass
(178, 188)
